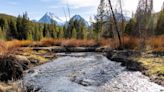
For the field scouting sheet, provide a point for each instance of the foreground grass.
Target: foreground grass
(153, 67)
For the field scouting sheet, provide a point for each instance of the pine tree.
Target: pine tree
(29, 36)
(160, 23)
(26, 25)
(19, 27)
(74, 33)
(1, 34)
(23, 26)
(12, 31)
(129, 29)
(143, 15)
(2, 23)
(85, 33)
(61, 33)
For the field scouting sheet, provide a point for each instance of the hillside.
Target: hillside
(5, 16)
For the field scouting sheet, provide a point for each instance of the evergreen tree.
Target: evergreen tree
(26, 25)
(61, 33)
(12, 31)
(2, 23)
(129, 29)
(29, 36)
(1, 34)
(85, 33)
(74, 33)
(23, 26)
(19, 27)
(44, 30)
(160, 24)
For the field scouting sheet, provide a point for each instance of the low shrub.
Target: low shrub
(156, 42)
(10, 69)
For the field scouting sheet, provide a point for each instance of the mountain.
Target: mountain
(79, 19)
(119, 17)
(34, 20)
(51, 18)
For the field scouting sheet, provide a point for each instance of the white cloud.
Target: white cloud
(131, 5)
(158, 5)
(13, 3)
(55, 6)
(81, 3)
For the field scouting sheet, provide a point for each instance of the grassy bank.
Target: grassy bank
(153, 67)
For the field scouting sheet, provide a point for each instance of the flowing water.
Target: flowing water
(86, 72)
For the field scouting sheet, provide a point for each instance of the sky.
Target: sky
(86, 8)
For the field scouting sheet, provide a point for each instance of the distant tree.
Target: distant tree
(12, 30)
(19, 26)
(30, 37)
(85, 33)
(61, 33)
(74, 33)
(46, 31)
(26, 26)
(2, 36)
(2, 23)
(129, 29)
(53, 30)
(160, 23)
(23, 26)
(143, 15)
(101, 14)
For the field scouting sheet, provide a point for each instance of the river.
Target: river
(86, 72)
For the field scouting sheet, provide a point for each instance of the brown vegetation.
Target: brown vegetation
(67, 42)
(130, 42)
(156, 43)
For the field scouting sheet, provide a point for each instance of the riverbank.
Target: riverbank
(150, 64)
(13, 66)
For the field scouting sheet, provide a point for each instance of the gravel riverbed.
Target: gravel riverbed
(86, 72)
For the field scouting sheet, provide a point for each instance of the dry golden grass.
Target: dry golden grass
(156, 42)
(66, 42)
(111, 43)
(7, 47)
(130, 42)
(10, 87)
(50, 42)
(79, 43)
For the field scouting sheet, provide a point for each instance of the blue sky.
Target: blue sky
(86, 8)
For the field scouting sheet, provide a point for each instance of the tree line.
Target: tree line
(21, 28)
(110, 23)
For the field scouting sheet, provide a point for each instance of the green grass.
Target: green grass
(154, 67)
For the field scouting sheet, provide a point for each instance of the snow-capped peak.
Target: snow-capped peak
(50, 17)
(80, 19)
